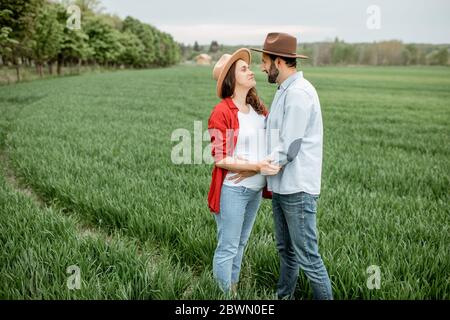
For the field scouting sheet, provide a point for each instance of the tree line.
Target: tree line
(338, 52)
(384, 53)
(38, 33)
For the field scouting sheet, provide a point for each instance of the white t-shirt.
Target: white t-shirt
(251, 145)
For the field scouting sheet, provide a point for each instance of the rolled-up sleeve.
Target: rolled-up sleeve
(297, 111)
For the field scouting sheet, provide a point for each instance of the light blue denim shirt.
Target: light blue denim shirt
(294, 137)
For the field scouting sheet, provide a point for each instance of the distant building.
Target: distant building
(203, 59)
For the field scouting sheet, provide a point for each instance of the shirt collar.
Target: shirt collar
(286, 83)
(230, 103)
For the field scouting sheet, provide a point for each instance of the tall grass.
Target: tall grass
(98, 146)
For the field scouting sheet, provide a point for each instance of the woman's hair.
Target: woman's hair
(229, 84)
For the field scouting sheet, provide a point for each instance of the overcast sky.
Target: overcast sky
(248, 21)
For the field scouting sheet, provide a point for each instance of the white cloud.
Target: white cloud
(242, 34)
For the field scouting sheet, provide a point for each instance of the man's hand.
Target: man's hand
(266, 168)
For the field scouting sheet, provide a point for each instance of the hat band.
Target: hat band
(278, 51)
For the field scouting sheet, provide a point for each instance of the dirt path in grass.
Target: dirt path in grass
(19, 186)
(16, 184)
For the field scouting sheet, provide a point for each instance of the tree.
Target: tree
(87, 7)
(438, 57)
(6, 43)
(36, 31)
(321, 53)
(342, 53)
(74, 46)
(169, 50)
(389, 52)
(104, 40)
(214, 47)
(410, 54)
(160, 48)
(146, 35)
(47, 37)
(17, 20)
(113, 20)
(197, 47)
(133, 50)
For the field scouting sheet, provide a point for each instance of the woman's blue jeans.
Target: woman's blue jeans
(238, 208)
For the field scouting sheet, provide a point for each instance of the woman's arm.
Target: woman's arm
(218, 130)
(238, 165)
(264, 167)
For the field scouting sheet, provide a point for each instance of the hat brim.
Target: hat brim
(243, 54)
(281, 54)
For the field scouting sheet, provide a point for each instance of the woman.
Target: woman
(236, 127)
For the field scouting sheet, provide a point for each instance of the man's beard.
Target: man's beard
(273, 73)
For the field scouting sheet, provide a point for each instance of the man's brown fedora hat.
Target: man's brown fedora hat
(281, 44)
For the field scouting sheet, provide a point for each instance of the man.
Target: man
(294, 142)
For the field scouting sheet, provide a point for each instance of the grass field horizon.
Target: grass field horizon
(95, 150)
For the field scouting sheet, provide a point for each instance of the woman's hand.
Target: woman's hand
(238, 177)
(264, 167)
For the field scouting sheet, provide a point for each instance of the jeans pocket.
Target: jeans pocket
(234, 189)
(310, 205)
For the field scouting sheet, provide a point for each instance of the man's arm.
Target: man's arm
(298, 108)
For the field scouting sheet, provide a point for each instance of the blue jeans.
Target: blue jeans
(296, 238)
(238, 207)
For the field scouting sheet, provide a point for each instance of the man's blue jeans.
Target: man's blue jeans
(296, 237)
(238, 207)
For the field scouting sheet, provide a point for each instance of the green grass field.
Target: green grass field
(87, 180)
